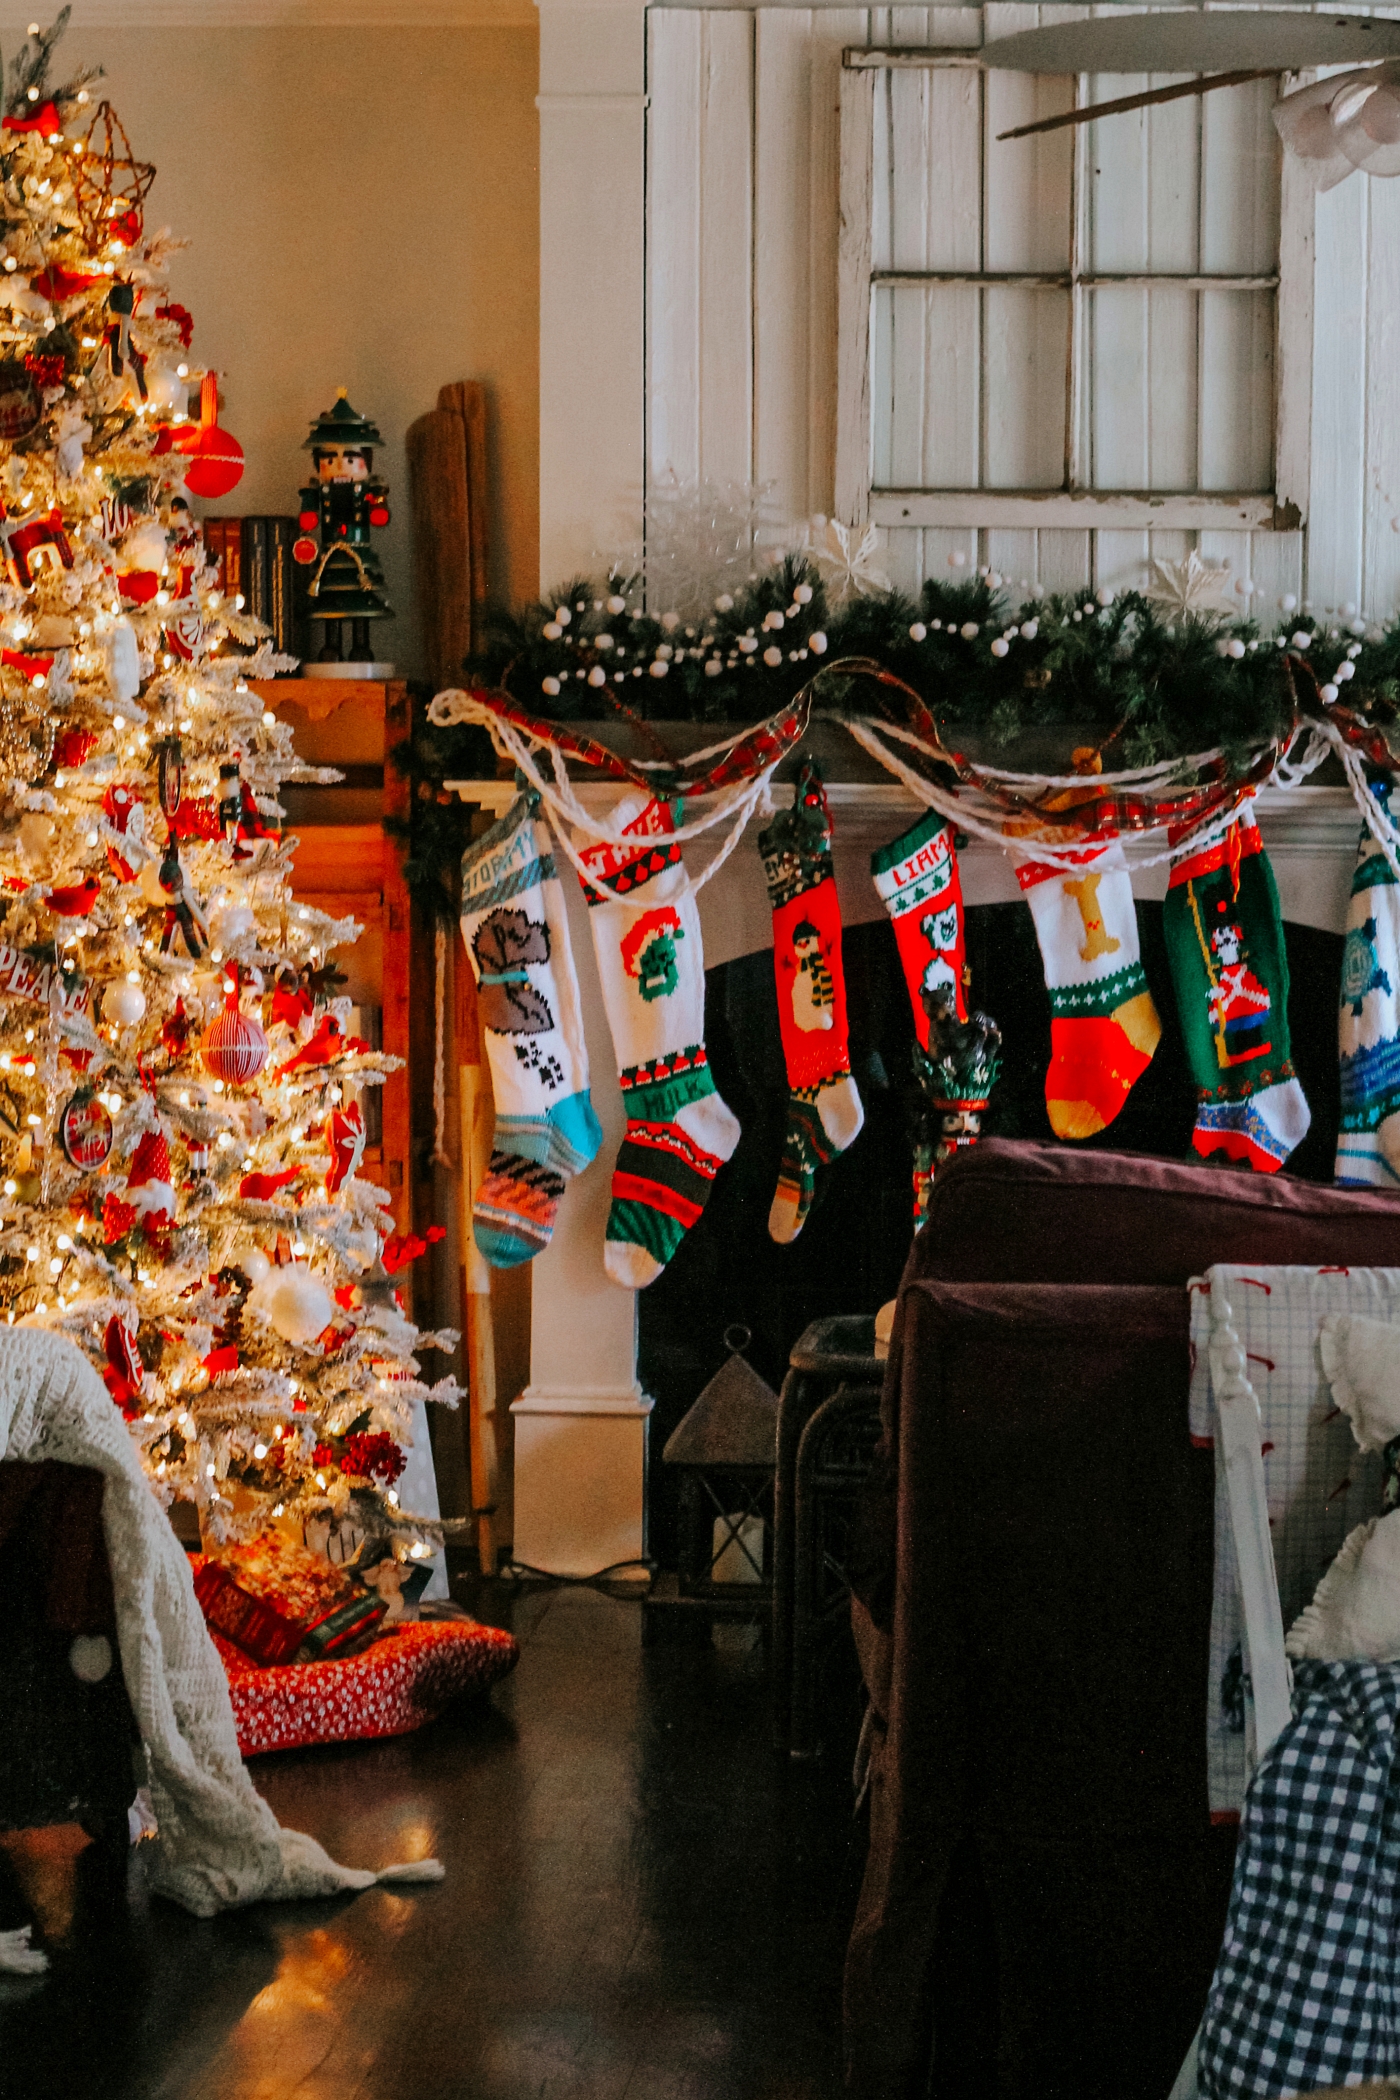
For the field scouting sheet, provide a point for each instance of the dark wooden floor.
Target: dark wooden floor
(641, 1903)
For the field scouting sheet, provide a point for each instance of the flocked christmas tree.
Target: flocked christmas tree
(180, 1127)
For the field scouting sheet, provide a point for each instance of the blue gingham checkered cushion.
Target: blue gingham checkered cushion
(1307, 1989)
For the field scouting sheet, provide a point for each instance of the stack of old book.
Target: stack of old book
(253, 557)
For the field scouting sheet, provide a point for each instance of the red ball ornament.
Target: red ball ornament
(304, 550)
(233, 1046)
(216, 465)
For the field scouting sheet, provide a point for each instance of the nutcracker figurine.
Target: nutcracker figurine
(339, 508)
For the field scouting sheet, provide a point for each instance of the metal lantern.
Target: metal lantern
(725, 1449)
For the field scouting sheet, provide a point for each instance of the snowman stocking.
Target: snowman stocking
(646, 936)
(516, 928)
(917, 877)
(1224, 937)
(1368, 1142)
(1104, 1028)
(824, 1108)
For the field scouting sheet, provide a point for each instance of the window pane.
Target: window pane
(1028, 180)
(1027, 335)
(1237, 400)
(927, 386)
(927, 158)
(1141, 179)
(1240, 181)
(1140, 387)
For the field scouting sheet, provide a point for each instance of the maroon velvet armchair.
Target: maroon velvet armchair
(1044, 1892)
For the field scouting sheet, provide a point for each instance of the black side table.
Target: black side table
(828, 1425)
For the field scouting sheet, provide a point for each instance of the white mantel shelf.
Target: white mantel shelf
(581, 1424)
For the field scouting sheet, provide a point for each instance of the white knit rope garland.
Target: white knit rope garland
(980, 818)
(1066, 860)
(454, 707)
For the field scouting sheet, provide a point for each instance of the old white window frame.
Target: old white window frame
(1283, 509)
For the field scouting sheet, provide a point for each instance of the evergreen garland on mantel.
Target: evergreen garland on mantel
(1155, 681)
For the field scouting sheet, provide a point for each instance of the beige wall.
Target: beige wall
(362, 208)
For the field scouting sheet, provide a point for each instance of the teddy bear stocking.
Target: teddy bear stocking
(515, 924)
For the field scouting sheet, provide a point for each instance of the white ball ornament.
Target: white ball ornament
(1000, 647)
(617, 604)
(918, 631)
(803, 594)
(968, 630)
(1235, 648)
(550, 686)
(1302, 639)
(1328, 694)
(254, 1264)
(124, 1003)
(551, 630)
(597, 676)
(817, 643)
(772, 657)
(1289, 601)
(298, 1304)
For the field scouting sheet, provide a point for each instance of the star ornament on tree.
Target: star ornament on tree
(847, 564)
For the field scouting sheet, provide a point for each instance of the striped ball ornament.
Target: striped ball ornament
(233, 1046)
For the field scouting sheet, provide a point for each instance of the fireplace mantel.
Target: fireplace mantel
(581, 1423)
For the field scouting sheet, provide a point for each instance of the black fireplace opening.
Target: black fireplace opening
(850, 1253)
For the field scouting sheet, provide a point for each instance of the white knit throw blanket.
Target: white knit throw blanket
(218, 1842)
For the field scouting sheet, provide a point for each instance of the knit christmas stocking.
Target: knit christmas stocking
(917, 876)
(824, 1108)
(1103, 1026)
(1225, 940)
(1368, 1142)
(516, 928)
(646, 935)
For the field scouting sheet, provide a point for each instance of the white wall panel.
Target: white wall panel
(1381, 489)
(1339, 472)
(700, 245)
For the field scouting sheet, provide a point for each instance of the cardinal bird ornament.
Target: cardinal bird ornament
(76, 899)
(125, 1371)
(322, 1048)
(345, 1135)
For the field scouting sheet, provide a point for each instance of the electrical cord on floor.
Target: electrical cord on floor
(518, 1570)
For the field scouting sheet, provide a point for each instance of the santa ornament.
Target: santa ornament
(150, 1193)
(124, 831)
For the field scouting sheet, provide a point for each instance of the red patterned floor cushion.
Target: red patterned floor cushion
(405, 1679)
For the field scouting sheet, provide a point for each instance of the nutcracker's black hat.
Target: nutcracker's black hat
(341, 425)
